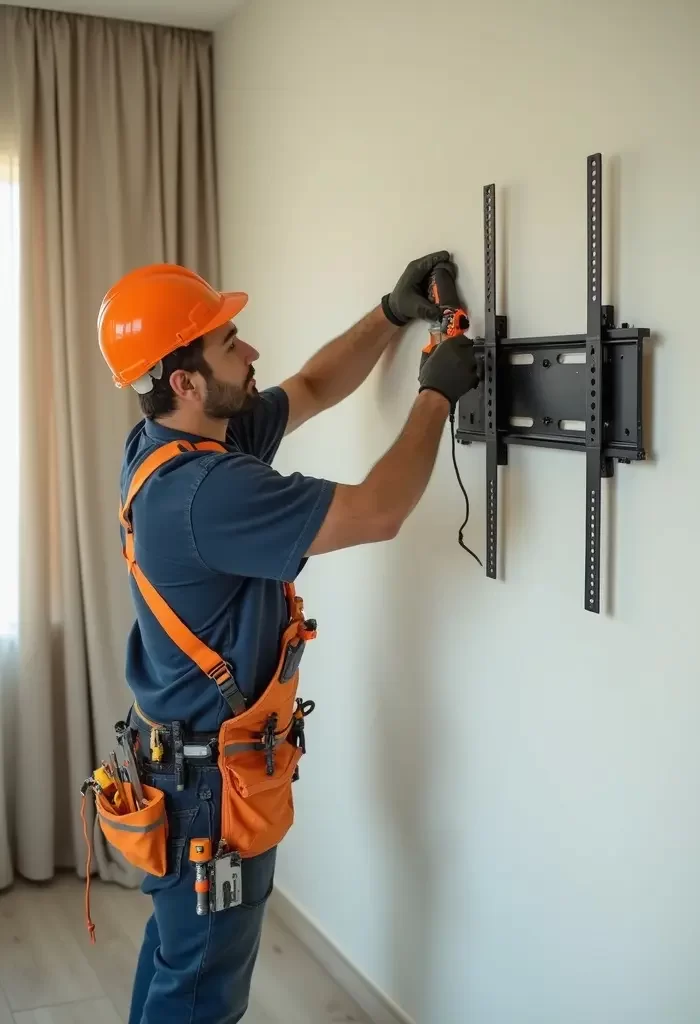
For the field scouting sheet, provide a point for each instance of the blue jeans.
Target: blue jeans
(191, 969)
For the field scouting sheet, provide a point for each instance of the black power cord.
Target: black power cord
(460, 535)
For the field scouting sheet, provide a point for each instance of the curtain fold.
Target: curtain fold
(112, 127)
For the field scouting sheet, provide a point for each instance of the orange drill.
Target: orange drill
(200, 855)
(442, 289)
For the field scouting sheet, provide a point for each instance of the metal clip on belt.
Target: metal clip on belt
(202, 752)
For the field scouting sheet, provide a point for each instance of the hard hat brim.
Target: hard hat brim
(233, 303)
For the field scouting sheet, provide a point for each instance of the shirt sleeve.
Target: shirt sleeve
(259, 431)
(249, 520)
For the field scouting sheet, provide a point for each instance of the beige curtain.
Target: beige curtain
(110, 128)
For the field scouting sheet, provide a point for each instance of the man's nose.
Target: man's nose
(249, 353)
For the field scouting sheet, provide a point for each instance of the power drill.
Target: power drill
(442, 290)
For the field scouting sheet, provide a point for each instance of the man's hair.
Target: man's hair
(161, 400)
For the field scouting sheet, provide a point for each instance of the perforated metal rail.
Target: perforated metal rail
(494, 328)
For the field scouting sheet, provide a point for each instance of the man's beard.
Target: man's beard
(226, 400)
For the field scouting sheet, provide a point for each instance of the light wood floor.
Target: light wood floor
(50, 974)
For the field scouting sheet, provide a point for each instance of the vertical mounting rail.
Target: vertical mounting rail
(596, 465)
(495, 453)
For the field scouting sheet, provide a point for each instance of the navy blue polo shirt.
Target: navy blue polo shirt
(216, 535)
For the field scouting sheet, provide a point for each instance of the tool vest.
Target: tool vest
(260, 746)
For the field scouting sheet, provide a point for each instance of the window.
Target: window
(9, 401)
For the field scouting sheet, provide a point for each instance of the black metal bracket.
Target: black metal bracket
(495, 330)
(580, 392)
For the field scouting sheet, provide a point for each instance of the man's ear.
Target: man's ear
(183, 385)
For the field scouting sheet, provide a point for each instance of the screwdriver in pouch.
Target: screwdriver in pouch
(116, 775)
(130, 763)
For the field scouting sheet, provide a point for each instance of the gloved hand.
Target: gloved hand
(451, 370)
(409, 300)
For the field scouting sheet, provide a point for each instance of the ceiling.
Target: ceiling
(204, 14)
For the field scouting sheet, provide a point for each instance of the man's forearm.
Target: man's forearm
(375, 509)
(342, 365)
(397, 482)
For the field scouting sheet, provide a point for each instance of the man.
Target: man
(214, 538)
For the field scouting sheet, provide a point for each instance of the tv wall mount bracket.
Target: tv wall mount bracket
(578, 392)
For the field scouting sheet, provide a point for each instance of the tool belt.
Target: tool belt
(170, 749)
(257, 750)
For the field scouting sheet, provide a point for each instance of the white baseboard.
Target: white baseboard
(378, 1007)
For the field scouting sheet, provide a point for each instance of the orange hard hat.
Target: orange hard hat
(154, 310)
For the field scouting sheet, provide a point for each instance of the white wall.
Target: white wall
(499, 818)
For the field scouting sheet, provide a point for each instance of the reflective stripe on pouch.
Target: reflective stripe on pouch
(241, 748)
(123, 827)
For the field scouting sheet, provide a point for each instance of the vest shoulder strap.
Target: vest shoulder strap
(211, 663)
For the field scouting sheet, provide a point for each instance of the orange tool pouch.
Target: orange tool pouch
(260, 749)
(260, 746)
(140, 835)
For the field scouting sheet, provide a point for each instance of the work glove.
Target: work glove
(451, 370)
(409, 300)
